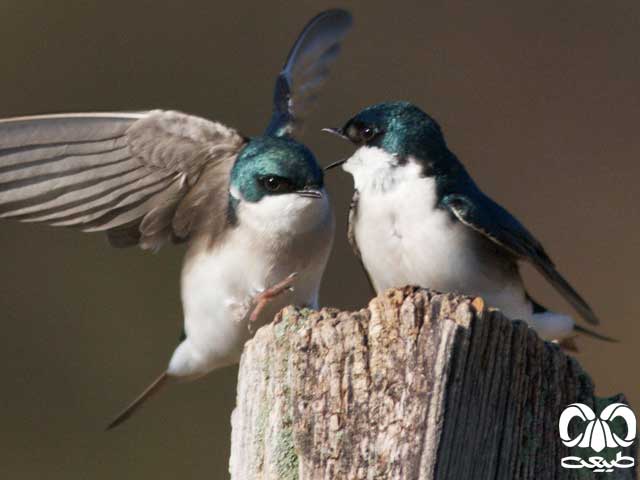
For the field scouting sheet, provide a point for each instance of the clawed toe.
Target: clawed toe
(262, 299)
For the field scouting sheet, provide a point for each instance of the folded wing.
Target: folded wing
(482, 214)
(136, 176)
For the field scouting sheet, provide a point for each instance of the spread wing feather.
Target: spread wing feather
(482, 214)
(306, 69)
(128, 174)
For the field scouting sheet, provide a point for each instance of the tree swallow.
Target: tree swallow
(418, 218)
(254, 211)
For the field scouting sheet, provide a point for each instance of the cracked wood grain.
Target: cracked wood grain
(418, 386)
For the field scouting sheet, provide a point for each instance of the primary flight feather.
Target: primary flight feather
(254, 211)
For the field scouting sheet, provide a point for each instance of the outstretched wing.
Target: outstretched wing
(306, 69)
(137, 176)
(351, 235)
(482, 214)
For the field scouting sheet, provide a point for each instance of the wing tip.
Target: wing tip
(134, 115)
(336, 20)
(340, 13)
(335, 15)
(591, 317)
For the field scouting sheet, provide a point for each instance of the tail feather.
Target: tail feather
(538, 308)
(150, 391)
(591, 333)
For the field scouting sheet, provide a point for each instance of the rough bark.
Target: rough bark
(418, 386)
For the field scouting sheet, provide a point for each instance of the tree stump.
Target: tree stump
(420, 385)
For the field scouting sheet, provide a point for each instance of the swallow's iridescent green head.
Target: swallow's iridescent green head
(399, 128)
(276, 166)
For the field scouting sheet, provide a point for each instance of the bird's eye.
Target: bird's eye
(275, 184)
(367, 133)
(359, 133)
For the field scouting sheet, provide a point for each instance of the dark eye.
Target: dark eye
(367, 133)
(359, 133)
(275, 184)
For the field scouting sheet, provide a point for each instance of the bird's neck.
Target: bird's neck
(376, 171)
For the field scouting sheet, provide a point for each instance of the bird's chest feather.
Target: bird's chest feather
(405, 239)
(220, 284)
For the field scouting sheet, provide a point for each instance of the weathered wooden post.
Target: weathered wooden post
(418, 386)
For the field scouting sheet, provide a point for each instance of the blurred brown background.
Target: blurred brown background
(540, 100)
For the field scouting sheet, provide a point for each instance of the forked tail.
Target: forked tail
(149, 392)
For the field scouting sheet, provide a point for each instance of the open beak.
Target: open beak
(337, 132)
(335, 164)
(310, 193)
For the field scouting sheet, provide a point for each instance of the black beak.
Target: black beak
(334, 164)
(336, 131)
(310, 193)
(340, 133)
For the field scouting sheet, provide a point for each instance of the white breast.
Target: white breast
(404, 239)
(274, 237)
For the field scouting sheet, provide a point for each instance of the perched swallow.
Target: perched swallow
(418, 218)
(254, 211)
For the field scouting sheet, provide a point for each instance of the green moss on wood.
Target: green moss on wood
(286, 457)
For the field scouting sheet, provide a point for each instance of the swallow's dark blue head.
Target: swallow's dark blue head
(276, 166)
(400, 128)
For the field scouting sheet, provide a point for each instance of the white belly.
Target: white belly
(402, 244)
(219, 287)
(405, 240)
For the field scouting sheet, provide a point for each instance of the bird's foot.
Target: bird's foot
(262, 299)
